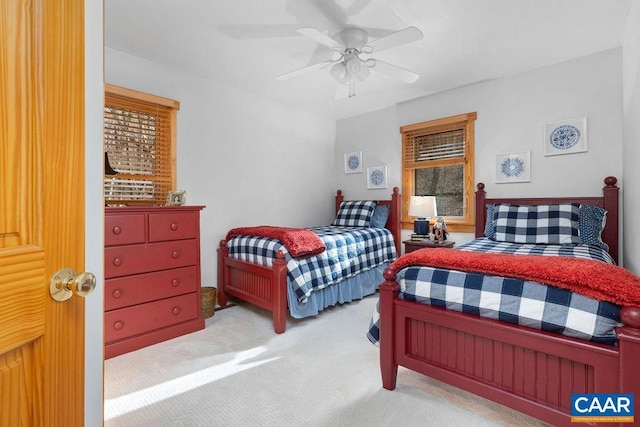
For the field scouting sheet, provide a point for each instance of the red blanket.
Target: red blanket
(594, 279)
(298, 241)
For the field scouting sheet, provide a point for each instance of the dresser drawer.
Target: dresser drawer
(141, 288)
(131, 321)
(172, 226)
(124, 229)
(135, 259)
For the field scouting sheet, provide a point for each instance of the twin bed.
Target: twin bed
(360, 244)
(431, 316)
(479, 317)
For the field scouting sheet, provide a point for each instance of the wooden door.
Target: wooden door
(41, 210)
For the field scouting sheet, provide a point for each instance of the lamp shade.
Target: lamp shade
(423, 206)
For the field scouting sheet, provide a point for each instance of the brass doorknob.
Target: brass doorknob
(66, 283)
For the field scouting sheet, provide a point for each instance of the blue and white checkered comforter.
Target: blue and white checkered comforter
(512, 300)
(350, 250)
(572, 251)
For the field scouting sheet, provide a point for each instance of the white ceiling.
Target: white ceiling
(247, 43)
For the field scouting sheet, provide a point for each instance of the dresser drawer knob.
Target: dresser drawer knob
(117, 262)
(117, 293)
(174, 226)
(118, 325)
(176, 310)
(117, 230)
(175, 283)
(175, 254)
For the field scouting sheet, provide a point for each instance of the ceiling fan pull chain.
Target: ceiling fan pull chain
(352, 86)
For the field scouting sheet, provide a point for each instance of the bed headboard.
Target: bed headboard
(393, 222)
(608, 201)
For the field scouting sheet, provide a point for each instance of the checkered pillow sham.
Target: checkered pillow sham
(355, 213)
(548, 224)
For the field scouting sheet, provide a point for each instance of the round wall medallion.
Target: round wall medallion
(377, 177)
(353, 162)
(512, 167)
(564, 137)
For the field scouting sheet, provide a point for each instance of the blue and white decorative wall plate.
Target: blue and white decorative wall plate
(353, 162)
(513, 167)
(377, 177)
(565, 137)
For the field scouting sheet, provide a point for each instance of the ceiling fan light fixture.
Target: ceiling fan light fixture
(354, 65)
(339, 72)
(357, 68)
(350, 43)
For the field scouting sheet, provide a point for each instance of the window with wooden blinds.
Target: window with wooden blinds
(139, 142)
(437, 159)
(430, 147)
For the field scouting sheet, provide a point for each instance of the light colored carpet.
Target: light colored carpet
(322, 372)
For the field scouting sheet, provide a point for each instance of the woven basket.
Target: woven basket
(209, 294)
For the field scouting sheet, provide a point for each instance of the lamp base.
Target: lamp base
(421, 226)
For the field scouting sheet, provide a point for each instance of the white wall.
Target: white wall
(249, 160)
(94, 214)
(378, 137)
(512, 113)
(631, 151)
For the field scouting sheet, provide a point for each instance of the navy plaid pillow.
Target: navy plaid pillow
(355, 214)
(380, 216)
(591, 223)
(489, 226)
(549, 224)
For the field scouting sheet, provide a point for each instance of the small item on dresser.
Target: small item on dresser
(440, 230)
(176, 198)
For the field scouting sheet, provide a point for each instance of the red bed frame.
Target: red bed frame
(531, 371)
(266, 287)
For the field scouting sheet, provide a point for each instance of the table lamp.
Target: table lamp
(424, 208)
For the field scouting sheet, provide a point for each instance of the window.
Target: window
(437, 160)
(140, 144)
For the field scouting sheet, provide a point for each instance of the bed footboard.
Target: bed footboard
(263, 286)
(531, 371)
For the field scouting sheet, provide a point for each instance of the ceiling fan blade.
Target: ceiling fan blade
(304, 70)
(320, 54)
(357, 6)
(331, 11)
(320, 37)
(246, 32)
(407, 35)
(391, 70)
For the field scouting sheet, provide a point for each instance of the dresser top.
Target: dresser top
(128, 209)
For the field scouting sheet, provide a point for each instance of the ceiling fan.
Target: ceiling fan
(353, 46)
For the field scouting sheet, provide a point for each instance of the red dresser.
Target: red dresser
(152, 276)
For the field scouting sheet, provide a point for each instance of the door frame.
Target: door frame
(94, 211)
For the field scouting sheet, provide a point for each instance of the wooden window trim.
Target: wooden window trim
(465, 224)
(142, 96)
(171, 105)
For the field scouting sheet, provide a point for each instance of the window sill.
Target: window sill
(457, 227)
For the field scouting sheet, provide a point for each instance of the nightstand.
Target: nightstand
(414, 245)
